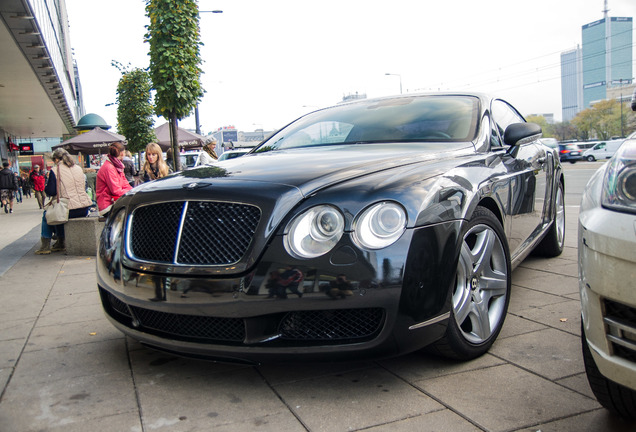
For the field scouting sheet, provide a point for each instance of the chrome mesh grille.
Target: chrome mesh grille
(154, 231)
(201, 328)
(299, 328)
(213, 233)
(330, 325)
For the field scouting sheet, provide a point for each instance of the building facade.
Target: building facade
(571, 84)
(603, 62)
(41, 96)
(606, 56)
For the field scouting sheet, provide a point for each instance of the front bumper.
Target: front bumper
(398, 301)
(607, 284)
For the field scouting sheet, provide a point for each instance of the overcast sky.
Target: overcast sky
(267, 62)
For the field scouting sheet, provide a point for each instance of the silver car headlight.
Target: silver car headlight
(314, 232)
(380, 225)
(619, 184)
(116, 228)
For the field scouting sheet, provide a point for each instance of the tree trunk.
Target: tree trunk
(174, 142)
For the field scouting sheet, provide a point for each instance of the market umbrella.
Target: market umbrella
(92, 142)
(185, 138)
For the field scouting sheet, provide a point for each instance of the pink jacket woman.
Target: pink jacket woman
(111, 182)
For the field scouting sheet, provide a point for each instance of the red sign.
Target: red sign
(26, 149)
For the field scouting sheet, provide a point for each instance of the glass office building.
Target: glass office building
(603, 61)
(571, 84)
(606, 57)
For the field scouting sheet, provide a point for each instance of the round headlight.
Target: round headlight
(619, 183)
(380, 225)
(314, 232)
(116, 228)
(627, 184)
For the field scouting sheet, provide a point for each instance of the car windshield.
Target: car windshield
(402, 119)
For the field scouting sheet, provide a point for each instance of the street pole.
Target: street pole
(196, 119)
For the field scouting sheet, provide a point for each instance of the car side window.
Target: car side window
(503, 116)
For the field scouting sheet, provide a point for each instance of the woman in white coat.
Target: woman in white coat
(72, 185)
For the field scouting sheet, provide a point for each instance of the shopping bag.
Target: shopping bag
(57, 211)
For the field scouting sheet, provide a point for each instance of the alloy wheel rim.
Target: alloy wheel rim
(481, 290)
(559, 219)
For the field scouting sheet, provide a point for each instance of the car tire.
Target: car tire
(572, 161)
(554, 240)
(617, 398)
(590, 158)
(481, 291)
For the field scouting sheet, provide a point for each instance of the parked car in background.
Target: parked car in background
(368, 229)
(231, 154)
(189, 159)
(602, 150)
(607, 281)
(569, 153)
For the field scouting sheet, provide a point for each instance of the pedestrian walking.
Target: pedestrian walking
(38, 180)
(26, 186)
(111, 182)
(8, 187)
(18, 180)
(71, 181)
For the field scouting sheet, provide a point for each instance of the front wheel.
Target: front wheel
(618, 399)
(554, 240)
(590, 158)
(481, 291)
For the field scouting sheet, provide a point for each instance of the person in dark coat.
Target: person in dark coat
(8, 187)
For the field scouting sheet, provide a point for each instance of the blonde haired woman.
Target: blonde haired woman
(155, 167)
(67, 180)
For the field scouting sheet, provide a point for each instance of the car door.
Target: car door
(529, 173)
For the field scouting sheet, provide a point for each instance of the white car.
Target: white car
(602, 150)
(607, 281)
(231, 154)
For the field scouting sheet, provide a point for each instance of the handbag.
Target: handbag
(57, 212)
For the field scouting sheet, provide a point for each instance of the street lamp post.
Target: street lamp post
(397, 75)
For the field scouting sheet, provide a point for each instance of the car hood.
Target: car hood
(278, 181)
(311, 169)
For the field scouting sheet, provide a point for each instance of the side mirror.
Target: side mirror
(634, 101)
(521, 133)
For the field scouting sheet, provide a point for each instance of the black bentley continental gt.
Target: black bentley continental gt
(368, 229)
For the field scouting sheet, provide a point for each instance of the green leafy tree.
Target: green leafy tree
(564, 131)
(134, 108)
(173, 35)
(546, 128)
(583, 122)
(602, 121)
